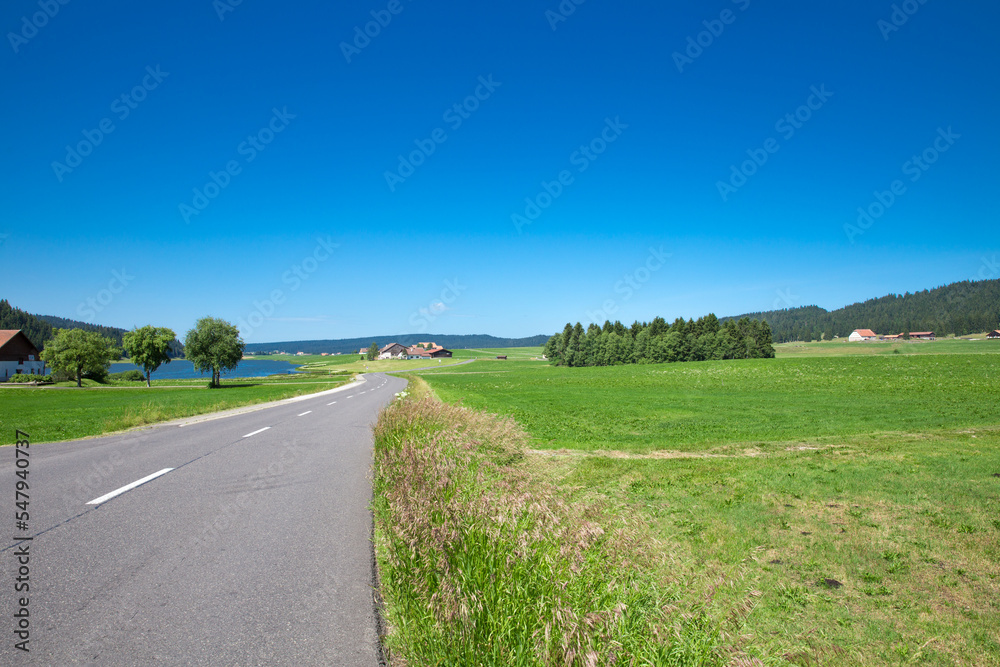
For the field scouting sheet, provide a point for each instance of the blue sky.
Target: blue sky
(623, 159)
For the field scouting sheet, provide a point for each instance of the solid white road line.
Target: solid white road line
(128, 487)
(305, 413)
(260, 430)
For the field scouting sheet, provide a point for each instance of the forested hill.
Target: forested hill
(350, 345)
(41, 328)
(959, 308)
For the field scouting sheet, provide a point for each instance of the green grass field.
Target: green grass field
(857, 493)
(977, 344)
(56, 413)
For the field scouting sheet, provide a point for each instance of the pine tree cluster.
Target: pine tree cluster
(657, 342)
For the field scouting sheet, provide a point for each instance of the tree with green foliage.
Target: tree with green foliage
(372, 352)
(148, 347)
(77, 353)
(214, 345)
(657, 342)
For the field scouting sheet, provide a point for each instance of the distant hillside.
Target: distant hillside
(41, 328)
(37, 330)
(959, 308)
(350, 345)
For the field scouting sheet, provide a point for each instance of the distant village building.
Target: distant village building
(922, 335)
(420, 352)
(859, 335)
(893, 337)
(994, 334)
(18, 355)
(393, 351)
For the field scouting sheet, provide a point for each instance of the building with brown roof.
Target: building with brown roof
(18, 355)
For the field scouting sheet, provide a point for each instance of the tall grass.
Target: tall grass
(482, 563)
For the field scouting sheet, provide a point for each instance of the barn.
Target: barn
(859, 335)
(18, 355)
(994, 334)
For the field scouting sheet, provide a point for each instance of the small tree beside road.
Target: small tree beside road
(214, 345)
(372, 352)
(77, 352)
(148, 348)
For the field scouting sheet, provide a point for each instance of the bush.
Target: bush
(29, 377)
(62, 376)
(133, 375)
(100, 376)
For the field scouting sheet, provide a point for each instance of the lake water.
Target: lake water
(181, 369)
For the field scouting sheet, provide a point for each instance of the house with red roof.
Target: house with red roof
(859, 335)
(18, 355)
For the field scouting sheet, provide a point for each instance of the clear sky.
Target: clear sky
(495, 167)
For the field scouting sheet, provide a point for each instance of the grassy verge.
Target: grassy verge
(53, 413)
(483, 563)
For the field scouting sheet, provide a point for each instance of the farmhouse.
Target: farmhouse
(893, 337)
(922, 335)
(862, 334)
(994, 334)
(393, 351)
(18, 355)
(419, 352)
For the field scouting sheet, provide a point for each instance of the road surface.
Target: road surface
(251, 546)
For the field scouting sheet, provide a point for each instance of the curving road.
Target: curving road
(251, 547)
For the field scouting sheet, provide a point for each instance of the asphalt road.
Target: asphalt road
(254, 549)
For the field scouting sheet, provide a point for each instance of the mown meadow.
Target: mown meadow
(846, 509)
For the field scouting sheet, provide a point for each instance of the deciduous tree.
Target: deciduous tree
(78, 352)
(214, 345)
(148, 347)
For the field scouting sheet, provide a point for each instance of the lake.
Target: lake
(182, 369)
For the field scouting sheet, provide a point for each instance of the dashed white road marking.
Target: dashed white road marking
(260, 430)
(305, 413)
(128, 487)
(332, 403)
